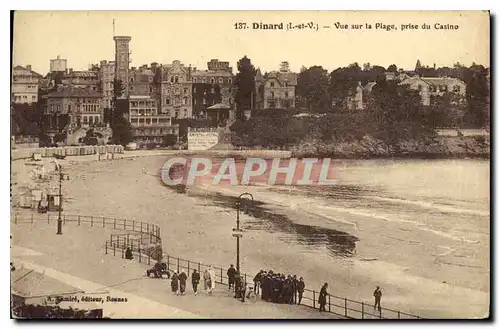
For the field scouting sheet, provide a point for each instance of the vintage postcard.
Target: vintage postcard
(250, 165)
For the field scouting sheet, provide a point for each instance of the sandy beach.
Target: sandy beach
(430, 258)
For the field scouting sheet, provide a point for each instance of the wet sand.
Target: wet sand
(338, 238)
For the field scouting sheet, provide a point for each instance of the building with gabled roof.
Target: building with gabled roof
(24, 85)
(275, 89)
(437, 86)
(73, 107)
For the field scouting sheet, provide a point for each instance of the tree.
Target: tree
(392, 68)
(312, 85)
(245, 87)
(122, 131)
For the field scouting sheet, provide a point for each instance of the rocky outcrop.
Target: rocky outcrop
(369, 147)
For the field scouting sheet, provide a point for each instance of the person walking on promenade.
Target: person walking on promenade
(182, 282)
(301, 286)
(294, 289)
(256, 282)
(378, 297)
(231, 272)
(174, 283)
(211, 272)
(195, 280)
(322, 297)
(206, 280)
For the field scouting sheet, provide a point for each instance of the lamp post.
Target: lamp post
(61, 178)
(238, 231)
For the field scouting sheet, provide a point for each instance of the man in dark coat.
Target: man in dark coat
(378, 297)
(322, 297)
(301, 286)
(257, 281)
(182, 282)
(237, 285)
(128, 253)
(294, 289)
(195, 280)
(287, 290)
(231, 272)
(265, 287)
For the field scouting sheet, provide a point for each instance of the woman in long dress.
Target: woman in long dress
(174, 283)
(206, 280)
(211, 272)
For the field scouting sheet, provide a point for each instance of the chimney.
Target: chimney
(70, 71)
(28, 67)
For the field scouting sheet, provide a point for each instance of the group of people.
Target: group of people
(273, 287)
(178, 281)
(279, 288)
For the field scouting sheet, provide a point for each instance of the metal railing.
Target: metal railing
(119, 242)
(341, 306)
(153, 231)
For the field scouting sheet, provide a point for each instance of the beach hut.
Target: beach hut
(36, 196)
(25, 200)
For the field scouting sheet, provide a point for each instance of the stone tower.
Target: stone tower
(122, 61)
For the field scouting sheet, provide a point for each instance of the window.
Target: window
(285, 84)
(69, 107)
(131, 79)
(286, 93)
(220, 80)
(176, 79)
(230, 81)
(456, 89)
(25, 97)
(194, 80)
(177, 91)
(230, 89)
(184, 101)
(194, 89)
(419, 88)
(212, 81)
(172, 79)
(177, 102)
(168, 101)
(203, 80)
(33, 98)
(150, 89)
(85, 120)
(185, 90)
(272, 94)
(272, 84)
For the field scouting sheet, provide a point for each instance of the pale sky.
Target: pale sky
(196, 37)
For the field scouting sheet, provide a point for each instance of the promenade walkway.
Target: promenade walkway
(76, 258)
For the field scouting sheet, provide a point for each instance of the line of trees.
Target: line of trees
(393, 113)
(320, 91)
